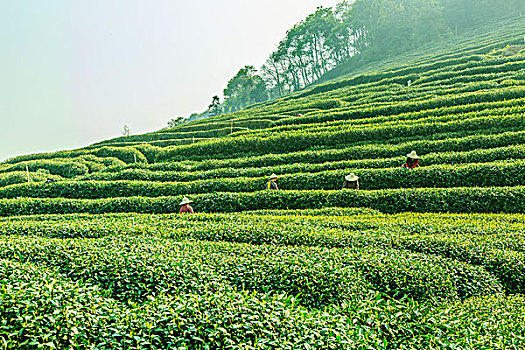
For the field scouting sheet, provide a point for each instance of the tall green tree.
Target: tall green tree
(244, 89)
(273, 74)
(309, 49)
(215, 107)
(392, 26)
(343, 39)
(365, 29)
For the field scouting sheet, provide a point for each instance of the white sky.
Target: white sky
(73, 72)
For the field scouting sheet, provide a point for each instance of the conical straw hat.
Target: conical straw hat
(273, 176)
(185, 201)
(352, 177)
(412, 155)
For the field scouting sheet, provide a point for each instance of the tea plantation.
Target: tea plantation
(427, 258)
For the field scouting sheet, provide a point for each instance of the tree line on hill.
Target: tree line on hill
(366, 30)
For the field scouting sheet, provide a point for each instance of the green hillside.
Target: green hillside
(432, 257)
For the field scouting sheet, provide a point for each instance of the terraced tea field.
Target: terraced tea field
(427, 258)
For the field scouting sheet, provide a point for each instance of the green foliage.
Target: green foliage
(95, 264)
(215, 107)
(290, 141)
(114, 292)
(459, 200)
(66, 169)
(244, 89)
(88, 319)
(186, 172)
(438, 176)
(148, 151)
(321, 277)
(124, 154)
(19, 177)
(176, 121)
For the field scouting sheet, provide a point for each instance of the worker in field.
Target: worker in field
(351, 181)
(272, 184)
(412, 161)
(185, 206)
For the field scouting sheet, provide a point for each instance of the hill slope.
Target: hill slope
(462, 110)
(431, 257)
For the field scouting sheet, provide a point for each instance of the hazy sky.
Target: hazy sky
(73, 72)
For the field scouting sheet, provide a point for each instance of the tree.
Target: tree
(175, 121)
(365, 29)
(244, 89)
(215, 107)
(125, 130)
(343, 37)
(393, 26)
(273, 74)
(310, 49)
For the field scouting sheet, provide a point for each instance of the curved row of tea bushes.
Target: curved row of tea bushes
(495, 174)
(67, 169)
(161, 143)
(92, 162)
(479, 109)
(486, 66)
(243, 118)
(511, 68)
(454, 200)
(199, 131)
(337, 227)
(133, 269)
(420, 63)
(91, 159)
(449, 143)
(88, 319)
(507, 265)
(144, 174)
(19, 177)
(490, 247)
(493, 322)
(124, 154)
(425, 87)
(294, 141)
(459, 99)
(248, 122)
(202, 226)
